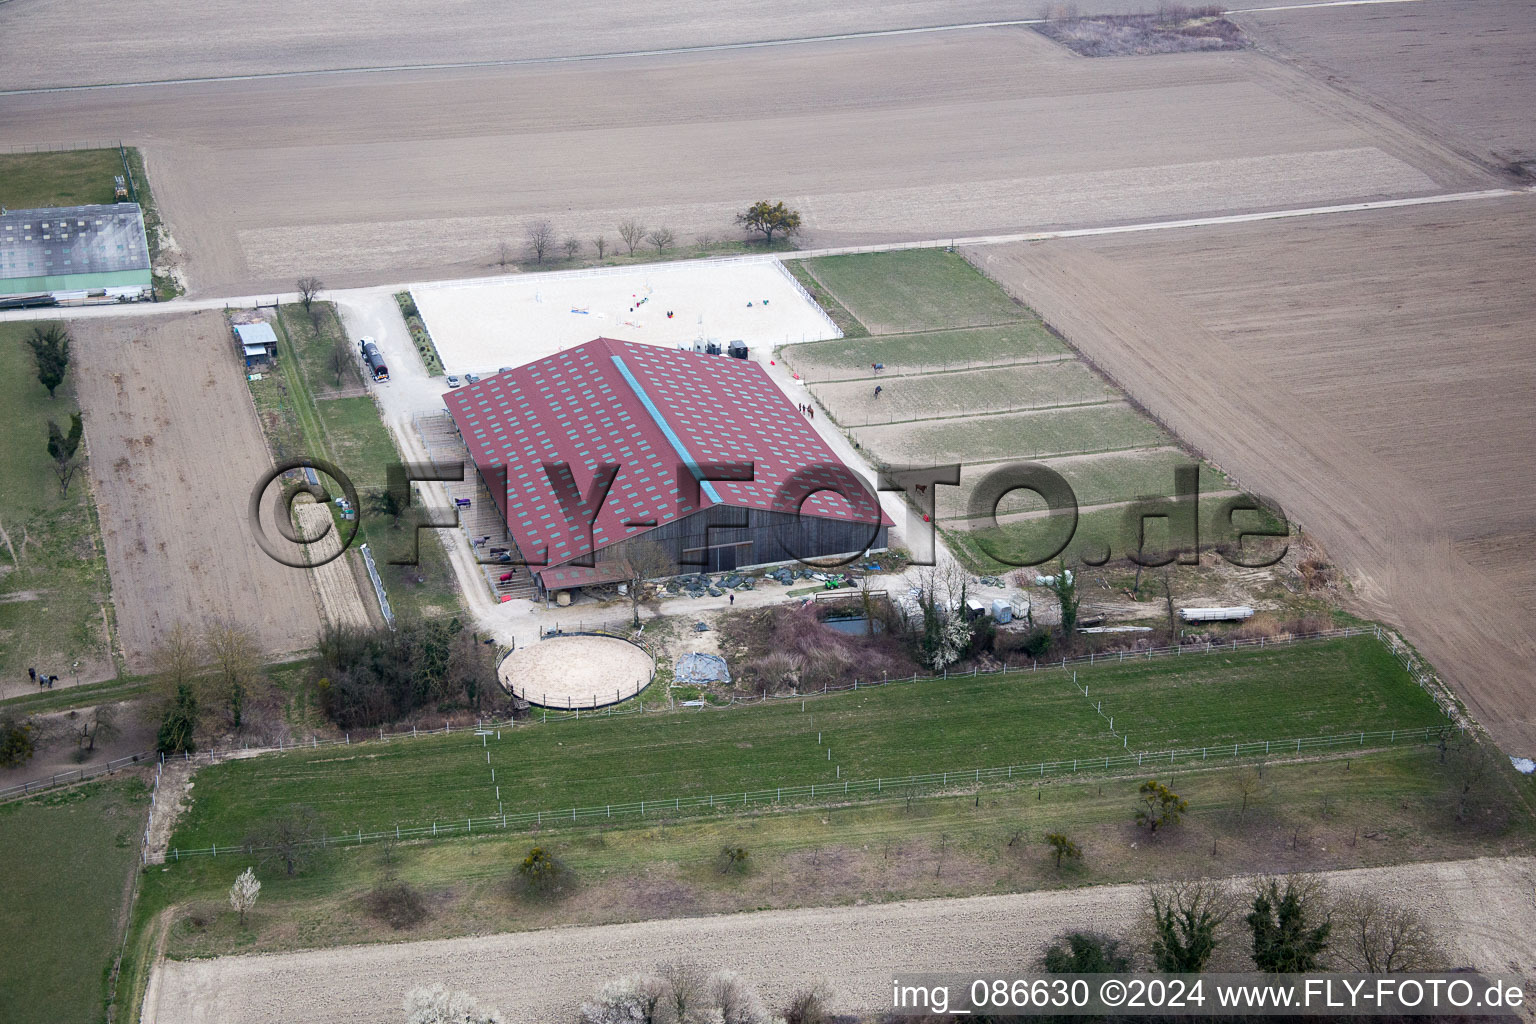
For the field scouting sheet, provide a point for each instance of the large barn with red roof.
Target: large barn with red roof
(707, 458)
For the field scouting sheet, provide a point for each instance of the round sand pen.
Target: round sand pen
(576, 671)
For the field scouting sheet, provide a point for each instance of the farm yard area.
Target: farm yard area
(175, 450)
(1372, 374)
(1029, 137)
(1282, 255)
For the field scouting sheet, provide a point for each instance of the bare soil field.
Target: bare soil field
(1462, 70)
(400, 175)
(175, 451)
(1372, 373)
(1481, 909)
(52, 44)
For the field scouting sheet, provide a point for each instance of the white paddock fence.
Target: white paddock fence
(958, 778)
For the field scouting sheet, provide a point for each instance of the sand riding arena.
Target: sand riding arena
(577, 670)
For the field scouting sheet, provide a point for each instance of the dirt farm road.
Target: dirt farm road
(1484, 908)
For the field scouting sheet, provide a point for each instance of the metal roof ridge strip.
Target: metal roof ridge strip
(680, 449)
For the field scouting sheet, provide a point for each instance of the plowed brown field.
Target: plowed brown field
(1373, 373)
(1462, 70)
(175, 451)
(394, 176)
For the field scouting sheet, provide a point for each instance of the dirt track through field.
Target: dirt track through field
(1371, 373)
(402, 175)
(1482, 910)
(175, 450)
(335, 584)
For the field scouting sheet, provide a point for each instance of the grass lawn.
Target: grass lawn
(851, 358)
(68, 860)
(1061, 382)
(914, 290)
(78, 177)
(1308, 816)
(1329, 687)
(1023, 541)
(1095, 480)
(845, 321)
(1028, 435)
(57, 585)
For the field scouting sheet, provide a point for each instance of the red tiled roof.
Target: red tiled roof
(647, 409)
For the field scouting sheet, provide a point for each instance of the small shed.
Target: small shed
(257, 342)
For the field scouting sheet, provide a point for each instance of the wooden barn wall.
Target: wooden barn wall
(762, 539)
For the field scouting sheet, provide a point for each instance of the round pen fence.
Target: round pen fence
(594, 695)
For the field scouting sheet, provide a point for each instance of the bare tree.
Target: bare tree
(62, 449)
(236, 659)
(1249, 785)
(687, 991)
(339, 358)
(503, 254)
(809, 1005)
(178, 662)
(572, 248)
(1474, 772)
(645, 561)
(309, 288)
(735, 1000)
(103, 726)
(662, 239)
(1374, 936)
(600, 244)
(632, 232)
(288, 839)
(540, 235)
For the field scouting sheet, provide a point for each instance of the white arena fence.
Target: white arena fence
(837, 332)
(903, 786)
(1405, 655)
